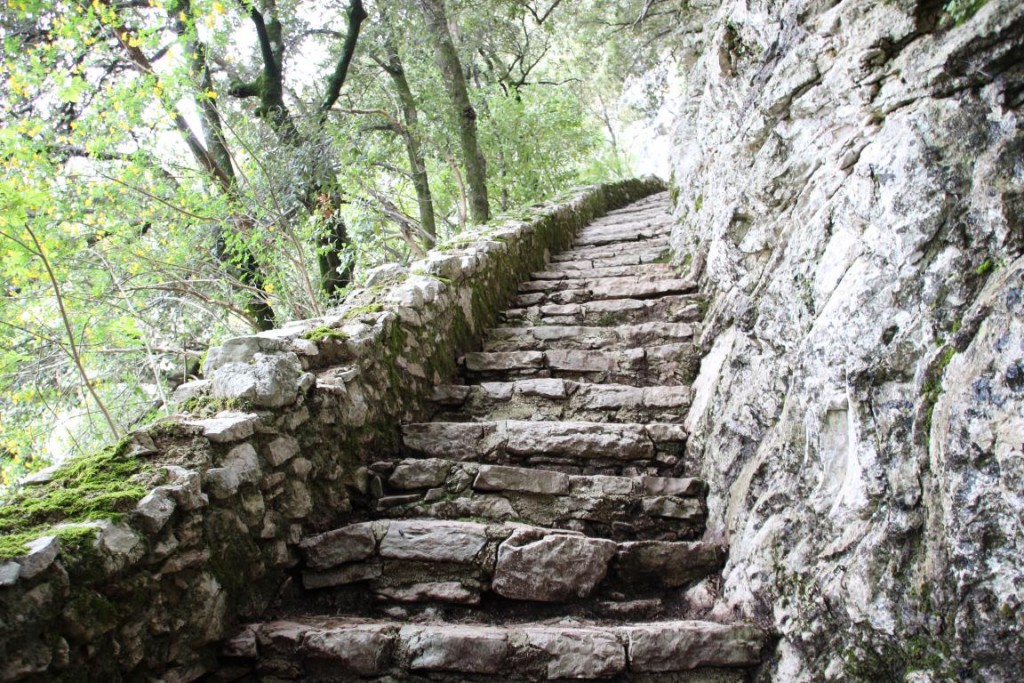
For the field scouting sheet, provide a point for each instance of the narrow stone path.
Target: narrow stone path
(541, 525)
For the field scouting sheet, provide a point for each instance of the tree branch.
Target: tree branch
(356, 15)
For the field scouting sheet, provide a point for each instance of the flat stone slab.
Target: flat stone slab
(564, 399)
(597, 504)
(346, 648)
(682, 645)
(454, 561)
(611, 312)
(433, 541)
(667, 364)
(586, 269)
(544, 337)
(497, 441)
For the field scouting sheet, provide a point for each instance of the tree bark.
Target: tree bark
(465, 115)
(417, 164)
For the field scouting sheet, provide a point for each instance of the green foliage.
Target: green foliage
(147, 254)
(986, 267)
(962, 10)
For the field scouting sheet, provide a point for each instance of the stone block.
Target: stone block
(550, 567)
(465, 649)
(433, 541)
(347, 544)
(501, 478)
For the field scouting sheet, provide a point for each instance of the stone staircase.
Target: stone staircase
(540, 527)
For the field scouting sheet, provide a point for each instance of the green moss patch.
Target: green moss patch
(100, 486)
(324, 333)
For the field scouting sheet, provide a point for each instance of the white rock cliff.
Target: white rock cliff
(849, 184)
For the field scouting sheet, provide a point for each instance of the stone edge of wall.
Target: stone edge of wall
(314, 402)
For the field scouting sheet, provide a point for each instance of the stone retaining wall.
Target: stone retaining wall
(148, 595)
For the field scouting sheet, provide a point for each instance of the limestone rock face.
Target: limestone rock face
(849, 192)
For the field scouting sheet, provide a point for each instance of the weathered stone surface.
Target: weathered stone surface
(579, 653)
(434, 541)
(466, 649)
(270, 380)
(550, 568)
(347, 544)
(454, 440)
(439, 591)
(227, 427)
(500, 478)
(480, 361)
(545, 388)
(40, 556)
(361, 649)
(667, 506)
(578, 439)
(417, 474)
(281, 450)
(9, 572)
(155, 508)
(683, 645)
(670, 564)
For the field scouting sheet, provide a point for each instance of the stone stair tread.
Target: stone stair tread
(617, 507)
(607, 288)
(607, 312)
(665, 364)
(469, 440)
(587, 337)
(622, 232)
(324, 647)
(458, 562)
(586, 282)
(568, 270)
(555, 398)
(655, 250)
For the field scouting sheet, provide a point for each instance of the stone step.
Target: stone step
(578, 447)
(587, 337)
(631, 254)
(605, 288)
(583, 269)
(459, 562)
(334, 649)
(671, 308)
(623, 232)
(619, 508)
(665, 365)
(585, 282)
(561, 399)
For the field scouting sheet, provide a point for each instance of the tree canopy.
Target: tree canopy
(175, 171)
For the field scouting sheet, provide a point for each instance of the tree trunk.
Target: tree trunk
(417, 164)
(451, 69)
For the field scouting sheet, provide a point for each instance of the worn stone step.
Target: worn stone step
(588, 337)
(335, 649)
(458, 562)
(664, 365)
(585, 282)
(623, 232)
(560, 399)
(605, 288)
(671, 308)
(580, 447)
(655, 250)
(619, 508)
(567, 270)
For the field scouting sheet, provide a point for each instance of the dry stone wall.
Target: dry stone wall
(848, 178)
(274, 446)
